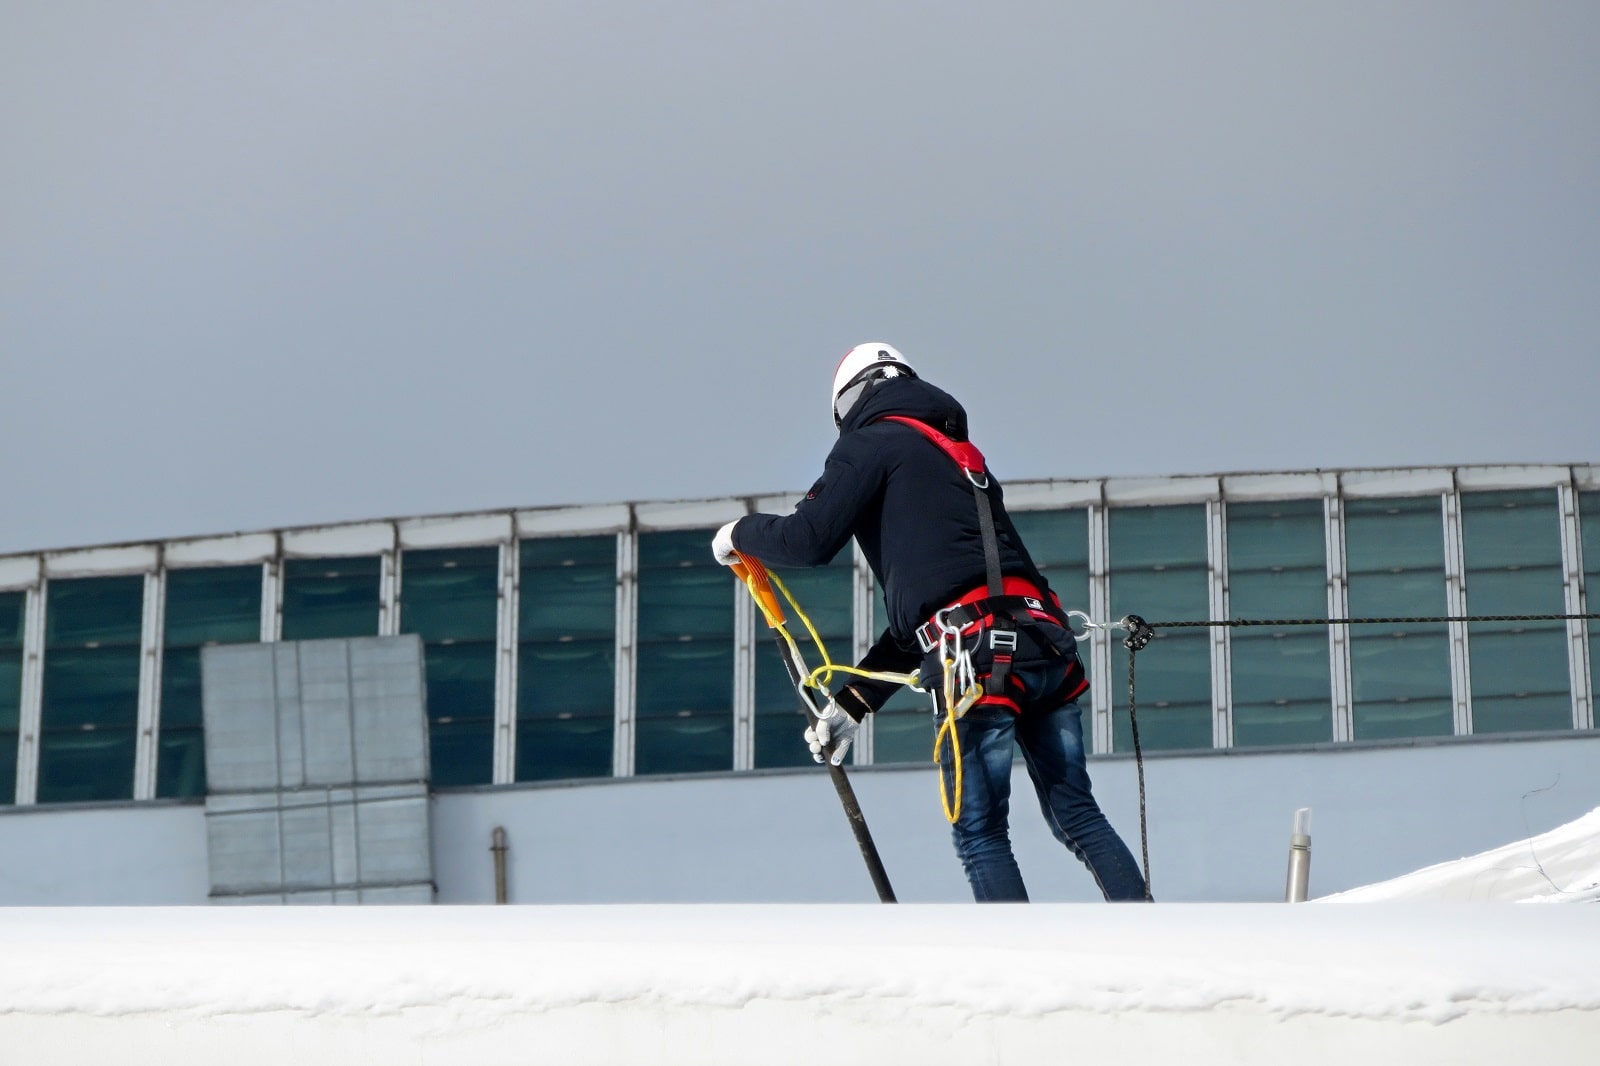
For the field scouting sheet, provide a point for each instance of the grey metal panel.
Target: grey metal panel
(307, 848)
(319, 785)
(388, 695)
(324, 714)
(316, 840)
(392, 839)
(244, 848)
(399, 895)
(247, 901)
(344, 849)
(238, 695)
(309, 898)
(291, 749)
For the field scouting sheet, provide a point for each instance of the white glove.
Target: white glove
(834, 725)
(722, 545)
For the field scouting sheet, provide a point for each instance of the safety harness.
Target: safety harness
(995, 607)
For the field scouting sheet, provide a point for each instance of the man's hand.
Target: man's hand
(835, 726)
(722, 545)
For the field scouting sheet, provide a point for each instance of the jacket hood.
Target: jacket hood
(913, 398)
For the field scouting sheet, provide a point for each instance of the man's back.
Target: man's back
(905, 501)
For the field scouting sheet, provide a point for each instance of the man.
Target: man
(919, 518)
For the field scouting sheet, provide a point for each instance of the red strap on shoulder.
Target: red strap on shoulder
(965, 453)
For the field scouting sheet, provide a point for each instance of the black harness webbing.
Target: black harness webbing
(965, 614)
(1003, 629)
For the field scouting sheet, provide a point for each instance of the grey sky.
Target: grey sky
(276, 264)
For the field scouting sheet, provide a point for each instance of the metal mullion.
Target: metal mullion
(1456, 605)
(744, 667)
(147, 744)
(272, 596)
(389, 578)
(505, 663)
(861, 627)
(1338, 607)
(1221, 646)
(1100, 610)
(31, 710)
(1579, 668)
(627, 642)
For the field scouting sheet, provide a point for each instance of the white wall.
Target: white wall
(125, 854)
(1219, 828)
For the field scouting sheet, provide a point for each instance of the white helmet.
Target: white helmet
(862, 365)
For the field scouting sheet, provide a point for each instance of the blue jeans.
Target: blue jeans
(1052, 746)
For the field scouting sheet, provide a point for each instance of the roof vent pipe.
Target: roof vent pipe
(499, 847)
(1299, 858)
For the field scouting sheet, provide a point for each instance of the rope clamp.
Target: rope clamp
(1139, 633)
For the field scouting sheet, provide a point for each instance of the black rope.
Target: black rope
(1140, 633)
(1427, 620)
(1138, 762)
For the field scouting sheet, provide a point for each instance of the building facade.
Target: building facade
(579, 643)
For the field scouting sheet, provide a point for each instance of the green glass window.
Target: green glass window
(684, 696)
(1589, 517)
(325, 599)
(1399, 675)
(90, 712)
(1058, 541)
(1159, 571)
(902, 730)
(214, 605)
(1512, 545)
(450, 598)
(566, 658)
(826, 594)
(1277, 568)
(12, 605)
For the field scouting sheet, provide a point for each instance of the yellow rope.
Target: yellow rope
(823, 674)
(952, 806)
(819, 678)
(827, 668)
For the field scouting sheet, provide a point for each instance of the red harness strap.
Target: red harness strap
(965, 453)
(1012, 586)
(970, 459)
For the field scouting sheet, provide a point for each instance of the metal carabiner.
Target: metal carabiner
(1089, 625)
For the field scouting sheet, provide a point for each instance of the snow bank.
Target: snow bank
(1561, 866)
(1201, 983)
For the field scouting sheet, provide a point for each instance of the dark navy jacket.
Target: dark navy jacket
(910, 508)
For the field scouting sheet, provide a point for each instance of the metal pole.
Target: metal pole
(499, 847)
(1299, 858)
(841, 783)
